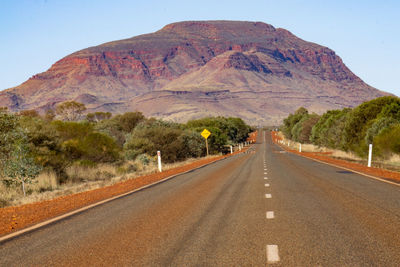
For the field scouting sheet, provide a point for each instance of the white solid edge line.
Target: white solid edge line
(272, 254)
(268, 196)
(347, 169)
(66, 215)
(270, 215)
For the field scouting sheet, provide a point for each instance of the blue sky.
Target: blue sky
(37, 33)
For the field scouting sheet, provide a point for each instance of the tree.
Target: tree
(9, 124)
(70, 110)
(20, 166)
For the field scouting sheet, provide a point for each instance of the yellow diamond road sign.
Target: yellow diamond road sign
(205, 133)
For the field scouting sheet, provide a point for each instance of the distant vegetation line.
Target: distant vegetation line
(64, 138)
(374, 122)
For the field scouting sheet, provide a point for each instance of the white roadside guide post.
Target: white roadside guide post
(159, 161)
(231, 150)
(370, 155)
(300, 148)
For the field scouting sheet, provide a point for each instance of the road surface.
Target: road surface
(263, 207)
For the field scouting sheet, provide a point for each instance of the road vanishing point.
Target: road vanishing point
(257, 208)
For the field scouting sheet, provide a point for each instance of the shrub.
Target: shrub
(388, 141)
(234, 129)
(328, 131)
(128, 121)
(307, 124)
(95, 147)
(72, 130)
(112, 129)
(193, 144)
(292, 120)
(378, 125)
(144, 159)
(358, 121)
(148, 138)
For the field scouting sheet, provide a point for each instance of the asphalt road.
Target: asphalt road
(265, 206)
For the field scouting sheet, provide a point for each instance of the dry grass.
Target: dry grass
(81, 178)
(77, 173)
(8, 194)
(345, 155)
(392, 163)
(46, 181)
(313, 148)
(394, 160)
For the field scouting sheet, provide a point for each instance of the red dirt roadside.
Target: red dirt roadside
(377, 172)
(19, 217)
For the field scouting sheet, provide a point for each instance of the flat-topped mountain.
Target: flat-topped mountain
(197, 68)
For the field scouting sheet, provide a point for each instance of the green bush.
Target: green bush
(374, 121)
(328, 131)
(72, 130)
(307, 123)
(290, 122)
(148, 138)
(377, 126)
(193, 145)
(358, 122)
(234, 129)
(95, 147)
(387, 141)
(128, 121)
(113, 129)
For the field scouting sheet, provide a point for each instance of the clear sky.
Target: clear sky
(36, 33)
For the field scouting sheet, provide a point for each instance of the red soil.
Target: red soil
(16, 218)
(377, 172)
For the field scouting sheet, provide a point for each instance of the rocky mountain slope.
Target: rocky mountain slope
(197, 68)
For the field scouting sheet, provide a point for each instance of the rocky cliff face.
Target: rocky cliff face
(192, 69)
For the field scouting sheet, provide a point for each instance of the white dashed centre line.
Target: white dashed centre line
(265, 178)
(266, 185)
(265, 173)
(270, 215)
(272, 254)
(268, 195)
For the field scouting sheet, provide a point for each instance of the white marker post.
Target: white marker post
(231, 150)
(300, 148)
(369, 155)
(159, 161)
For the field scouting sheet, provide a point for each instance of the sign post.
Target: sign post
(205, 133)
